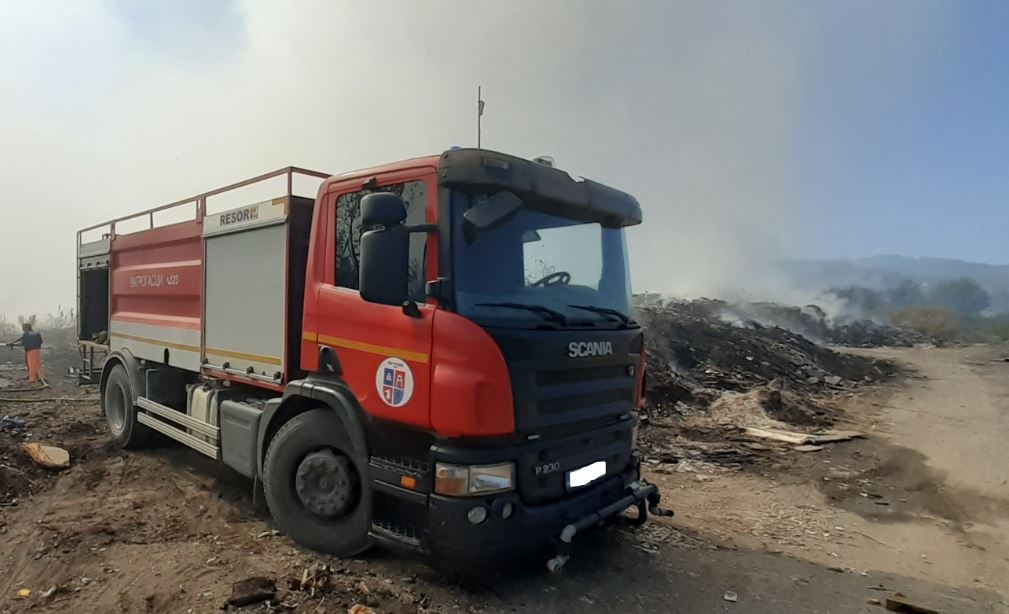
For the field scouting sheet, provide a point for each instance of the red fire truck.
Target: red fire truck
(436, 354)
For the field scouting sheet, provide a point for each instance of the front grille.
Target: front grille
(583, 401)
(568, 376)
(571, 411)
(549, 400)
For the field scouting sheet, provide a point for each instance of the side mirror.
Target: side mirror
(384, 270)
(382, 209)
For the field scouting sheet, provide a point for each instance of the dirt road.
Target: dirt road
(924, 497)
(920, 508)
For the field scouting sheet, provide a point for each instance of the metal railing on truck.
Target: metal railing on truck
(200, 201)
(90, 363)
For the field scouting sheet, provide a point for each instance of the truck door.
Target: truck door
(384, 354)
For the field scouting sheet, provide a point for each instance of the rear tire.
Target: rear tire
(317, 487)
(121, 414)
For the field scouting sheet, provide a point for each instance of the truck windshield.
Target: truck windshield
(532, 268)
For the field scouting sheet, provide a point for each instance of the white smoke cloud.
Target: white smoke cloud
(113, 107)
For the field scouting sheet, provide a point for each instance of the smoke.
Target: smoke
(739, 122)
(695, 108)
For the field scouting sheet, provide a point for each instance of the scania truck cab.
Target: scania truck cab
(437, 355)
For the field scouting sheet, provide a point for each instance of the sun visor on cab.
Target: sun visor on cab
(540, 186)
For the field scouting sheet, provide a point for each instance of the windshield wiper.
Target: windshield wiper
(546, 312)
(605, 311)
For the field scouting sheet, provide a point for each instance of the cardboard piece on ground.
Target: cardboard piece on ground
(802, 438)
(776, 435)
(50, 457)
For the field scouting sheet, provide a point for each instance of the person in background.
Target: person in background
(31, 341)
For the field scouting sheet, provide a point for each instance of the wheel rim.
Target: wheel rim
(115, 409)
(326, 483)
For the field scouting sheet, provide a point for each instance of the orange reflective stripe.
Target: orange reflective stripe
(370, 348)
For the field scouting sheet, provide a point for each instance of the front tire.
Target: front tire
(120, 413)
(317, 487)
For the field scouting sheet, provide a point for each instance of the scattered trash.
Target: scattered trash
(898, 603)
(802, 438)
(808, 448)
(49, 457)
(10, 422)
(730, 596)
(252, 590)
(25, 593)
(49, 592)
(357, 608)
(716, 369)
(313, 579)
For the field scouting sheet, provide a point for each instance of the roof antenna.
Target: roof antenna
(479, 114)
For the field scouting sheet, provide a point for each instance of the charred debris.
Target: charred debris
(718, 373)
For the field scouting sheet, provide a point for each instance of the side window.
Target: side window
(348, 235)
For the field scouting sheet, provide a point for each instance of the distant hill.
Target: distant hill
(881, 272)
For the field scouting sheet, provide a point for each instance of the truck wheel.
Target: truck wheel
(316, 486)
(120, 413)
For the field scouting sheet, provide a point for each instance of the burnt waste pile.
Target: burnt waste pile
(810, 321)
(714, 380)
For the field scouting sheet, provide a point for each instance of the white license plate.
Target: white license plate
(587, 474)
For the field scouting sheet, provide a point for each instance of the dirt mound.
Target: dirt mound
(709, 376)
(692, 351)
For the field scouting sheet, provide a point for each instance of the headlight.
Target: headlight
(470, 480)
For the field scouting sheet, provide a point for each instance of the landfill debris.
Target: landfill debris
(803, 438)
(25, 593)
(810, 321)
(49, 592)
(313, 579)
(730, 596)
(357, 608)
(808, 448)
(691, 347)
(10, 422)
(49, 457)
(252, 590)
(899, 603)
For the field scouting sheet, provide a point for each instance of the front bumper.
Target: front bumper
(512, 528)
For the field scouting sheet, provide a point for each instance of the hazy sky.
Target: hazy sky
(749, 131)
